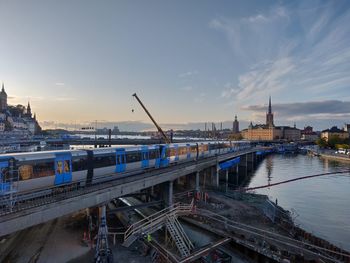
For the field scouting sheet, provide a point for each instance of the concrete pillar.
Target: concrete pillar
(170, 193)
(237, 173)
(226, 180)
(197, 181)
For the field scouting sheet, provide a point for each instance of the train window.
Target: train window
(193, 149)
(104, 161)
(63, 167)
(132, 157)
(79, 164)
(182, 150)
(38, 170)
(153, 154)
(172, 152)
(25, 172)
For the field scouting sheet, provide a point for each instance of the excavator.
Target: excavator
(166, 139)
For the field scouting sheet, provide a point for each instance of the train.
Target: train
(49, 169)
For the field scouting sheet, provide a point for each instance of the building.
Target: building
(235, 127)
(308, 134)
(3, 99)
(334, 132)
(290, 133)
(269, 132)
(261, 133)
(2, 126)
(17, 118)
(269, 115)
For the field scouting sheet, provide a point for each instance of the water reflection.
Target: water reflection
(322, 203)
(269, 166)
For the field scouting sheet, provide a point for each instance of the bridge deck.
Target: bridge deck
(40, 210)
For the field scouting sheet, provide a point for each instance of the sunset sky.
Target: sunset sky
(189, 61)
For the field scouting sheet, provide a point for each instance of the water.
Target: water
(321, 204)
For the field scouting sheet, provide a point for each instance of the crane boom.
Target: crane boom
(154, 122)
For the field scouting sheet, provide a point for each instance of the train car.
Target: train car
(43, 170)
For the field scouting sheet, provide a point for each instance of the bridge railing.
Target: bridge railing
(157, 219)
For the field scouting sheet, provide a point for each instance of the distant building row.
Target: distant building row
(269, 132)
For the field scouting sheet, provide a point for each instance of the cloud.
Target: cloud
(275, 56)
(187, 88)
(188, 74)
(317, 109)
(59, 84)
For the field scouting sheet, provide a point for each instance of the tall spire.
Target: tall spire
(29, 110)
(3, 87)
(270, 109)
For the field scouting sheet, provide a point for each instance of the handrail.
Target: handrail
(176, 208)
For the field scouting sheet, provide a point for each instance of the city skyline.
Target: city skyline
(77, 62)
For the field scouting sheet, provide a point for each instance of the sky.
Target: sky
(190, 62)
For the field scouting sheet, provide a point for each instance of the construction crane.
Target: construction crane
(150, 116)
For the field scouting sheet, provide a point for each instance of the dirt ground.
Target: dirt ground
(53, 242)
(58, 241)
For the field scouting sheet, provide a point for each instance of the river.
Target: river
(321, 205)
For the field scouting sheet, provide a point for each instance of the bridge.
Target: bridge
(35, 208)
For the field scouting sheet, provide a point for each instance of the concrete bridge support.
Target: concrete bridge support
(167, 192)
(170, 193)
(197, 182)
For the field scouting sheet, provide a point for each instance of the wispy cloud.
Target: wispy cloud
(187, 88)
(59, 83)
(313, 61)
(188, 74)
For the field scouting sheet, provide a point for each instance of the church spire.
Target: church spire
(270, 108)
(29, 110)
(3, 87)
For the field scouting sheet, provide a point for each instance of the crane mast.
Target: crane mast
(154, 122)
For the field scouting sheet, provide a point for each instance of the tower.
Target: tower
(3, 99)
(235, 128)
(269, 115)
(29, 111)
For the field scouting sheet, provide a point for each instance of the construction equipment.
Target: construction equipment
(166, 139)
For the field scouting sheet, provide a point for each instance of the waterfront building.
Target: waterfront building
(334, 132)
(261, 132)
(308, 134)
(16, 119)
(269, 132)
(235, 127)
(290, 133)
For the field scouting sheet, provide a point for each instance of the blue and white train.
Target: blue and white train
(42, 170)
